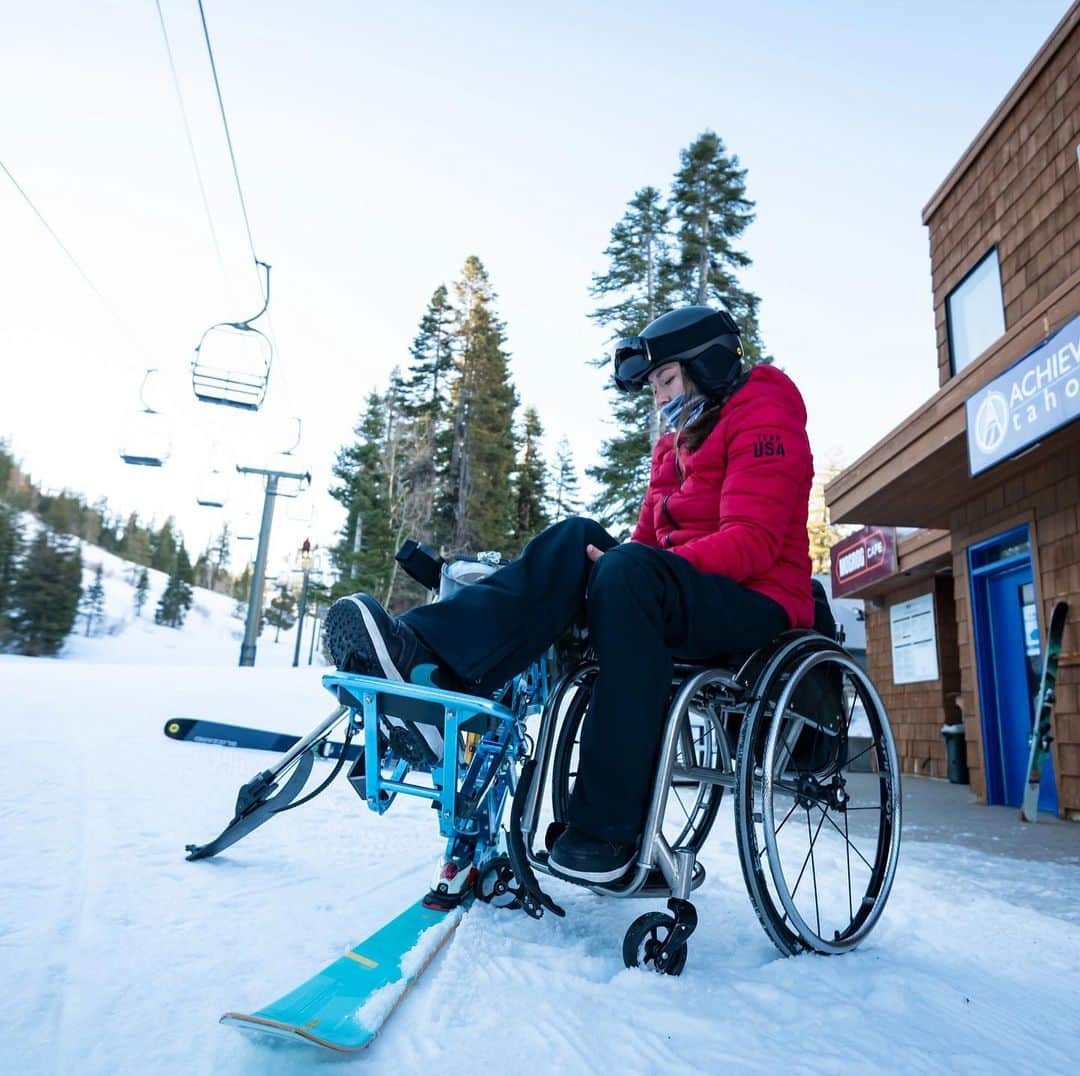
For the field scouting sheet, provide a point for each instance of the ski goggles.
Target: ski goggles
(633, 363)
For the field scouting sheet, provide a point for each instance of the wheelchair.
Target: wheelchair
(795, 732)
(798, 736)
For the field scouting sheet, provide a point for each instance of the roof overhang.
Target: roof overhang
(918, 473)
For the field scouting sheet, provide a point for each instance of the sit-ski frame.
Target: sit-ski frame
(483, 743)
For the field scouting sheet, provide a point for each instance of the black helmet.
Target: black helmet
(704, 340)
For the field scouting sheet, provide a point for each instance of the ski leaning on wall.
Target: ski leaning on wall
(1041, 735)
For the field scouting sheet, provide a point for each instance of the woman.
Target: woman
(717, 564)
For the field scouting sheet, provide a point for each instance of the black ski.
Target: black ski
(1044, 708)
(223, 735)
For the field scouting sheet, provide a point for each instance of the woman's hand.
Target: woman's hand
(593, 553)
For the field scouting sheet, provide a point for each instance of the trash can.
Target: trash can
(956, 753)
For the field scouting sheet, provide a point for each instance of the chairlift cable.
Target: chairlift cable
(59, 242)
(228, 139)
(190, 140)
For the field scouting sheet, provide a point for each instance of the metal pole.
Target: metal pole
(314, 632)
(300, 618)
(255, 597)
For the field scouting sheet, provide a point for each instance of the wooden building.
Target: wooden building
(987, 471)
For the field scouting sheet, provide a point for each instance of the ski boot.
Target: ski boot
(452, 884)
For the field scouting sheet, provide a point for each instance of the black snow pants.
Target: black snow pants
(643, 606)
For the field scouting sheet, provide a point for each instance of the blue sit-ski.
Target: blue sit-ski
(343, 1007)
(479, 766)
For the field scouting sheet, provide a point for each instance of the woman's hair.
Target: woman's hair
(692, 438)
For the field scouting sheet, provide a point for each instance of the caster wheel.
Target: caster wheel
(494, 886)
(644, 938)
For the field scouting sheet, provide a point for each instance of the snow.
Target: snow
(118, 956)
(380, 1004)
(211, 635)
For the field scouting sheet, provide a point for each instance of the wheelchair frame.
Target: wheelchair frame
(488, 757)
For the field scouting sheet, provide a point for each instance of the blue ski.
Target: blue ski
(345, 1005)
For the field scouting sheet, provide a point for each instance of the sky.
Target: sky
(379, 146)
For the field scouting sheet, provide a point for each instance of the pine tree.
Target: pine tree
(282, 611)
(363, 555)
(425, 390)
(185, 573)
(218, 556)
(45, 594)
(476, 503)
(135, 542)
(417, 442)
(176, 599)
(184, 566)
(566, 495)
(202, 570)
(638, 288)
(640, 276)
(7, 468)
(163, 545)
(242, 586)
(710, 205)
(426, 401)
(399, 458)
(61, 512)
(10, 550)
(530, 483)
(93, 603)
(141, 589)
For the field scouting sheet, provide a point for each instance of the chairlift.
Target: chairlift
(291, 487)
(294, 478)
(301, 509)
(147, 441)
(212, 490)
(232, 361)
(247, 526)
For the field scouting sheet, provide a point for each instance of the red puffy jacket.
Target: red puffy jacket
(737, 506)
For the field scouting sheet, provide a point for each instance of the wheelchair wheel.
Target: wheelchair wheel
(817, 812)
(644, 939)
(692, 804)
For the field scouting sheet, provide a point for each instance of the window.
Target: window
(975, 312)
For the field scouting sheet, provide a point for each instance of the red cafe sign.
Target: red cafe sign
(861, 558)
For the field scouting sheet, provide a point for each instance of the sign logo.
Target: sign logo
(1030, 400)
(862, 558)
(768, 444)
(991, 421)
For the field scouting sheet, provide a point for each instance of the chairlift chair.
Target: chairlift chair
(301, 509)
(294, 479)
(147, 440)
(212, 491)
(247, 526)
(232, 361)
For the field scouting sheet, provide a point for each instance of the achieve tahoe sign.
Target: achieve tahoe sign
(1037, 395)
(861, 558)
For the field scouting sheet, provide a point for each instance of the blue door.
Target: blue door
(1008, 664)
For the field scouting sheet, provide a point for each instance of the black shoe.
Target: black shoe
(364, 638)
(590, 859)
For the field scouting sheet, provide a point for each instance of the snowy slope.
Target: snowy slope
(117, 956)
(211, 634)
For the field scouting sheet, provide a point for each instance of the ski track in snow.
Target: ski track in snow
(118, 956)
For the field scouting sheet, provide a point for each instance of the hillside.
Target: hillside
(211, 634)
